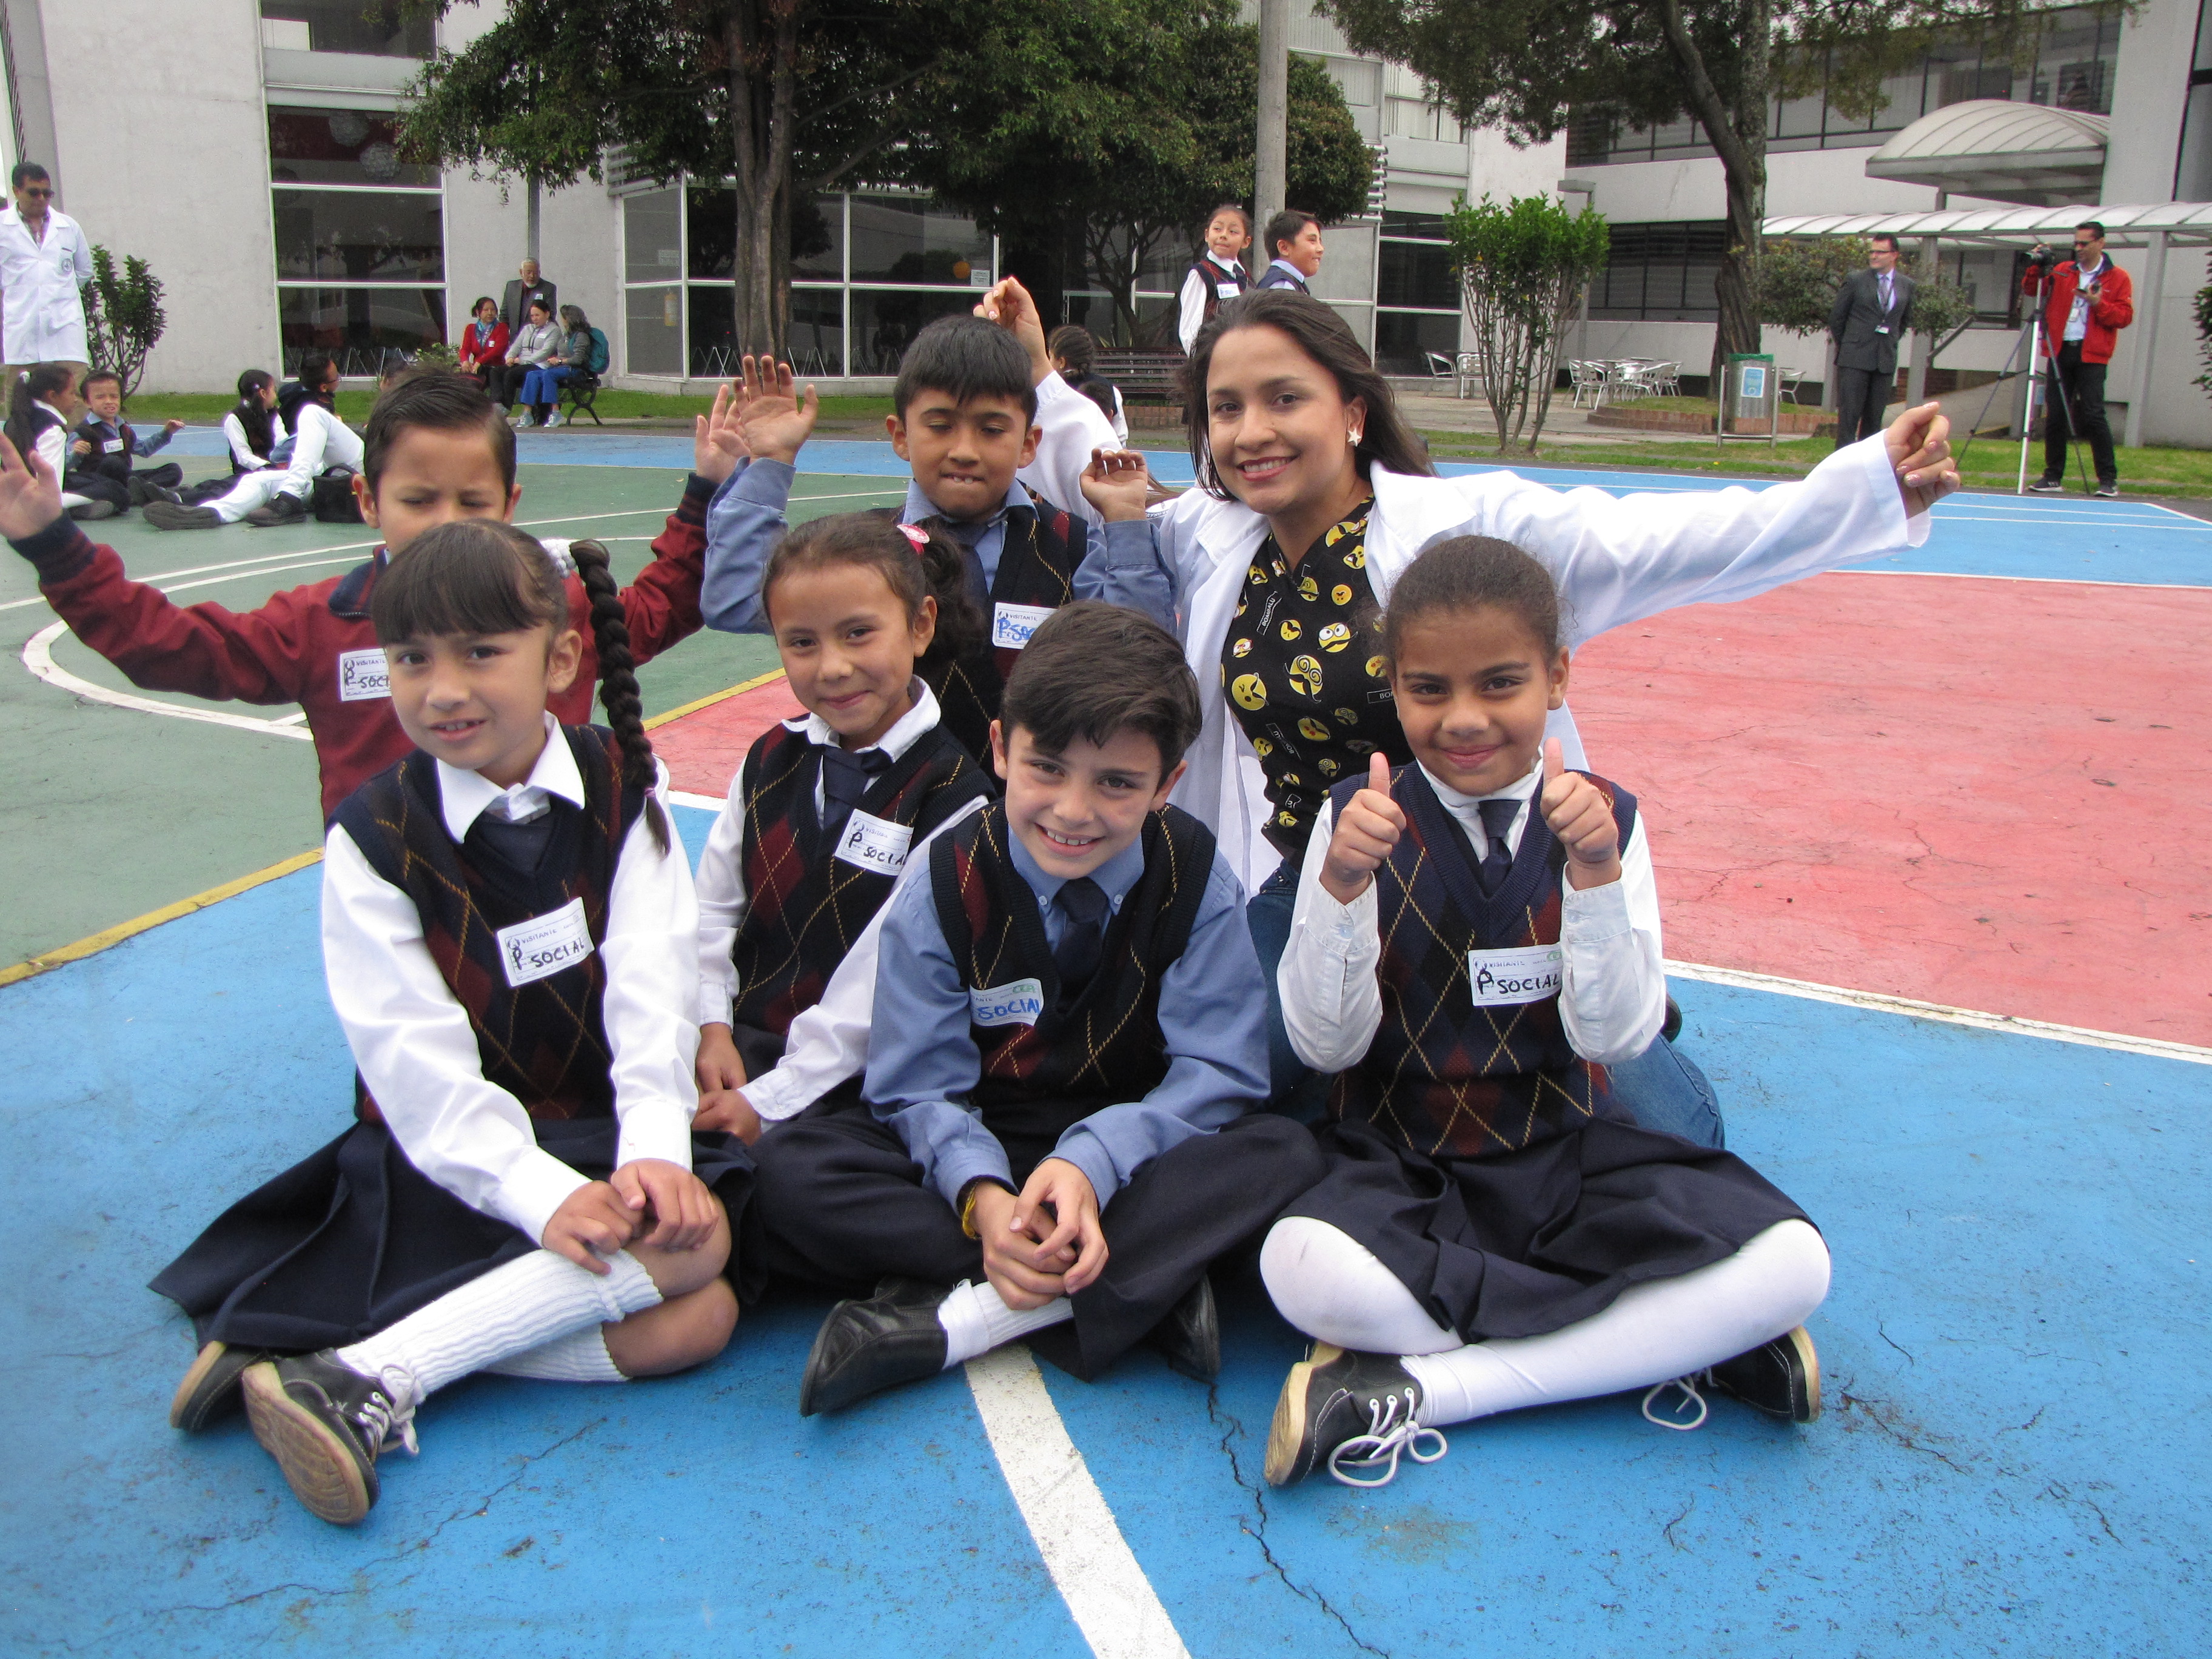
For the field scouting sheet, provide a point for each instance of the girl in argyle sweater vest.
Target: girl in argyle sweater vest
(825, 813)
(511, 939)
(1476, 937)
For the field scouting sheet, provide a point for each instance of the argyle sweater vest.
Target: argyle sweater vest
(1037, 564)
(804, 906)
(97, 432)
(543, 1042)
(1215, 279)
(1446, 1077)
(1038, 1079)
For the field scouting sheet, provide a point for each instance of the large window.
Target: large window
(1416, 294)
(2071, 65)
(1660, 273)
(378, 28)
(868, 271)
(360, 242)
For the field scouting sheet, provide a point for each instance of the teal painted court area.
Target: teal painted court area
(2013, 1459)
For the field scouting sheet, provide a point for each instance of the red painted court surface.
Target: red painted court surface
(1967, 791)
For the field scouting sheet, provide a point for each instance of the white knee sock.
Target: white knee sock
(976, 1320)
(1654, 1332)
(1333, 1287)
(509, 1312)
(580, 1356)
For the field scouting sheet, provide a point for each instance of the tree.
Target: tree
(1528, 65)
(1522, 267)
(127, 320)
(1798, 280)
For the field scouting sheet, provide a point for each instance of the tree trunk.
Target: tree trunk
(762, 53)
(1734, 285)
(1737, 131)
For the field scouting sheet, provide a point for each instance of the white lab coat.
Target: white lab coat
(42, 290)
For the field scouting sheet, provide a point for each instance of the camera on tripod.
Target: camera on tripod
(2041, 257)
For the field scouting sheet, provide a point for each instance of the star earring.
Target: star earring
(1352, 438)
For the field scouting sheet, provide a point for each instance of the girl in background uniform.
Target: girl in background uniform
(1476, 939)
(511, 940)
(825, 814)
(42, 406)
(1218, 276)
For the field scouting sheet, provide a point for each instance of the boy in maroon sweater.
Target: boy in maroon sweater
(435, 450)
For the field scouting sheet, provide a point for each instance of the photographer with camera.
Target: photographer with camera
(2088, 301)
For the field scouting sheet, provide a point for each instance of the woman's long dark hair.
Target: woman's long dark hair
(1318, 331)
(38, 384)
(252, 414)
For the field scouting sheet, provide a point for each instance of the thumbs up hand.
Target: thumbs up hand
(1365, 832)
(1580, 817)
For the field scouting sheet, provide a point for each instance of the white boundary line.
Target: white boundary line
(1875, 1002)
(38, 657)
(1108, 1595)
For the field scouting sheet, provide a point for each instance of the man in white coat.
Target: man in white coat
(45, 268)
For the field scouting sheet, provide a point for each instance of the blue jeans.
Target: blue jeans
(1663, 1088)
(543, 386)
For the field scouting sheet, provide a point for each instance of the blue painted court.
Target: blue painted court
(2013, 1459)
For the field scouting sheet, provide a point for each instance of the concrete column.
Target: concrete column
(1924, 342)
(1271, 183)
(532, 217)
(2148, 297)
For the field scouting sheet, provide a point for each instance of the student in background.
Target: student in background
(115, 445)
(42, 404)
(1218, 276)
(1075, 355)
(482, 350)
(1294, 250)
(535, 345)
(540, 391)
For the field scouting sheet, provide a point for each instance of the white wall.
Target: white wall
(2149, 94)
(162, 136)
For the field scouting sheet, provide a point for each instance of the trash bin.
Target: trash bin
(1751, 397)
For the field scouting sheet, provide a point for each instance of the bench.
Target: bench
(579, 391)
(1140, 373)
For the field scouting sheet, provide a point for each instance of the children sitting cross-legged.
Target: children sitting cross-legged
(1005, 456)
(114, 445)
(1476, 937)
(1067, 1050)
(824, 814)
(511, 941)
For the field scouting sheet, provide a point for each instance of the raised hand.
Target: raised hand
(718, 443)
(777, 422)
(30, 495)
(1582, 818)
(1365, 832)
(1008, 304)
(1920, 455)
(1117, 483)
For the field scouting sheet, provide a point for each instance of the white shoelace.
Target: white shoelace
(1688, 1385)
(392, 1423)
(1391, 1433)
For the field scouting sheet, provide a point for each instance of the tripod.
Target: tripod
(2045, 370)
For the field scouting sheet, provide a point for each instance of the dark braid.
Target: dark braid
(618, 689)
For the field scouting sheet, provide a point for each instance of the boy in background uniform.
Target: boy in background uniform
(112, 445)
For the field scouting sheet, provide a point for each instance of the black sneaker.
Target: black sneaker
(1350, 1413)
(280, 508)
(324, 1422)
(209, 1391)
(2048, 486)
(168, 515)
(1781, 1378)
(89, 510)
(863, 1347)
(1190, 1338)
(2110, 492)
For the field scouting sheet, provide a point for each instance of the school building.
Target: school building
(246, 151)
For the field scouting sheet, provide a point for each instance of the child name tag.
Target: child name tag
(111, 447)
(544, 946)
(1017, 1004)
(1012, 624)
(363, 675)
(1528, 973)
(874, 843)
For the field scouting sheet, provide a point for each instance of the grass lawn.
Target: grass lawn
(207, 407)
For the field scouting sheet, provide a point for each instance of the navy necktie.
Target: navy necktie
(845, 778)
(1498, 817)
(1082, 903)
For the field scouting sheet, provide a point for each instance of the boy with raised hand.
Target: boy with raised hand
(1005, 454)
(435, 450)
(1068, 1044)
(110, 447)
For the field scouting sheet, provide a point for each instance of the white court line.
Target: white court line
(1108, 1595)
(1986, 576)
(38, 657)
(1875, 1002)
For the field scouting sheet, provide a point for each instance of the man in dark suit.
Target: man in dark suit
(514, 308)
(1873, 309)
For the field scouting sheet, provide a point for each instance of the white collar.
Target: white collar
(465, 795)
(1229, 265)
(905, 733)
(52, 411)
(1522, 788)
(2081, 270)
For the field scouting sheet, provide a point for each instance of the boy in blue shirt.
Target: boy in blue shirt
(985, 423)
(1069, 1045)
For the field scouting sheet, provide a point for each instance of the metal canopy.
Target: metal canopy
(2177, 224)
(2001, 150)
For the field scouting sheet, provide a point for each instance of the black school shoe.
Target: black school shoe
(166, 515)
(1190, 1338)
(142, 492)
(280, 508)
(1350, 1413)
(1781, 1378)
(863, 1347)
(324, 1422)
(210, 1389)
(91, 510)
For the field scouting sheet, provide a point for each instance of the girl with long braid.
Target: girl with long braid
(510, 935)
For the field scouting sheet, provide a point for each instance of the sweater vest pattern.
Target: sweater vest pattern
(1213, 277)
(545, 1042)
(1037, 1079)
(1037, 564)
(805, 907)
(1445, 1077)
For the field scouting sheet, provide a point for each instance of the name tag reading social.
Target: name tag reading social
(363, 676)
(1016, 1004)
(1012, 624)
(111, 447)
(544, 946)
(875, 843)
(1528, 973)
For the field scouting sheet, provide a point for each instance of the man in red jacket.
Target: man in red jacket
(2089, 302)
(435, 450)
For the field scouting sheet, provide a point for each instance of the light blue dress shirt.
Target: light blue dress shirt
(923, 1061)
